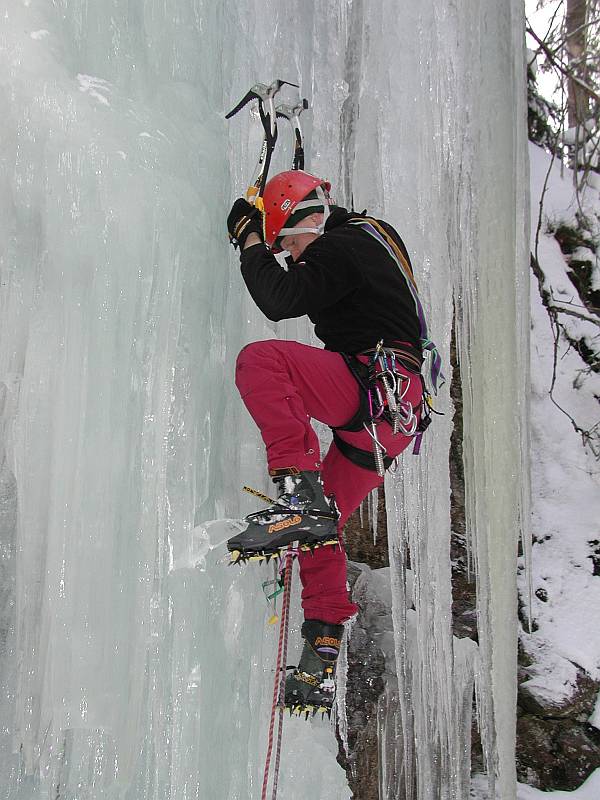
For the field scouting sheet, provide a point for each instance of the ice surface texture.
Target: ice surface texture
(122, 310)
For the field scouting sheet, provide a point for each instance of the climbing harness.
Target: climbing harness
(278, 705)
(383, 381)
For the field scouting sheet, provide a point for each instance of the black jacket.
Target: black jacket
(350, 287)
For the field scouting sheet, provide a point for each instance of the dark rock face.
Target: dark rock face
(363, 770)
(578, 709)
(366, 664)
(365, 661)
(556, 747)
(365, 685)
(358, 538)
(555, 753)
(464, 616)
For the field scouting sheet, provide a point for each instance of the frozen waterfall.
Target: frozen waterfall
(121, 313)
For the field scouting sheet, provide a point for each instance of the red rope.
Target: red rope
(279, 686)
(285, 621)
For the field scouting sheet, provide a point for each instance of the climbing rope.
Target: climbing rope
(286, 622)
(279, 686)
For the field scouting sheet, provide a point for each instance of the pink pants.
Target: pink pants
(283, 385)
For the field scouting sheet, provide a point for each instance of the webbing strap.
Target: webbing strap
(378, 232)
(360, 372)
(362, 458)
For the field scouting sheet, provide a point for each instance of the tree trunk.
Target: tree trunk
(579, 100)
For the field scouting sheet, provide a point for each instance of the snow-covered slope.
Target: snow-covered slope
(565, 475)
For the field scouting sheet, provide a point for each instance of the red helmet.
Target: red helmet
(282, 195)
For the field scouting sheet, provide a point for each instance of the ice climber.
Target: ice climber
(351, 274)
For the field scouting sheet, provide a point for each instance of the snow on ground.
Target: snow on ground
(589, 790)
(565, 477)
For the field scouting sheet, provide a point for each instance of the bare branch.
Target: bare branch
(561, 66)
(591, 309)
(589, 436)
(580, 29)
(571, 313)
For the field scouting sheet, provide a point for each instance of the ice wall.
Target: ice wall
(122, 311)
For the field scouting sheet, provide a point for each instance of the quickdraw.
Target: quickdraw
(272, 589)
(383, 389)
(393, 407)
(400, 412)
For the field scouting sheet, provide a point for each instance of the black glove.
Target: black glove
(243, 219)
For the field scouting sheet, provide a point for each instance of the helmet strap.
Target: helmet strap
(321, 207)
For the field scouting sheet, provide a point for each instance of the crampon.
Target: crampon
(300, 516)
(307, 710)
(265, 556)
(310, 689)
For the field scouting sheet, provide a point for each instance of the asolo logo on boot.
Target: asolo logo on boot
(285, 523)
(328, 641)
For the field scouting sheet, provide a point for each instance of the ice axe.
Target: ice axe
(268, 116)
(292, 114)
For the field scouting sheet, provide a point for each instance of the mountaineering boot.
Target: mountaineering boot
(300, 514)
(311, 687)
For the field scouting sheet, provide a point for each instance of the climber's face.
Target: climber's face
(296, 243)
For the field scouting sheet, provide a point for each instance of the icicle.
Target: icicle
(397, 546)
(374, 499)
(341, 679)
